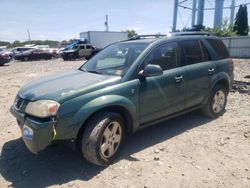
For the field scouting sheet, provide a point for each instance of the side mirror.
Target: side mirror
(150, 71)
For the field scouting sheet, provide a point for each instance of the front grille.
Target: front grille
(20, 103)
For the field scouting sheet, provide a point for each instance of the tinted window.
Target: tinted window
(88, 47)
(81, 47)
(166, 56)
(192, 52)
(219, 48)
(206, 56)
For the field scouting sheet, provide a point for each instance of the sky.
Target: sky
(65, 19)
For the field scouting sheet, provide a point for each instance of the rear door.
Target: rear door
(82, 50)
(88, 50)
(200, 68)
(36, 54)
(162, 95)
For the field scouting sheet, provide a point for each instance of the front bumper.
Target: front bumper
(36, 135)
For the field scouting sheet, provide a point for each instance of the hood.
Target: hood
(66, 85)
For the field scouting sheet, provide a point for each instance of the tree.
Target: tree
(225, 31)
(131, 33)
(241, 21)
(4, 43)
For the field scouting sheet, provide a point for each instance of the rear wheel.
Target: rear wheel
(102, 138)
(65, 58)
(217, 101)
(25, 59)
(72, 57)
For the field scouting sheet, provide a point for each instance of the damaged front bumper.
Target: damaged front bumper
(37, 135)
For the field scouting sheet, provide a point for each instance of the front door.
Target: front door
(163, 95)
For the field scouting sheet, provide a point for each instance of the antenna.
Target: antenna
(28, 34)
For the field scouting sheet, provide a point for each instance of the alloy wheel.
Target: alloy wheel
(111, 139)
(218, 101)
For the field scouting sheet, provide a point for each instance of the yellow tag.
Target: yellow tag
(54, 132)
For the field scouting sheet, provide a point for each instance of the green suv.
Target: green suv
(126, 87)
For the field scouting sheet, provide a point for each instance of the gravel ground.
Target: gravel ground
(188, 151)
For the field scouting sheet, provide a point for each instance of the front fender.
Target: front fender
(100, 103)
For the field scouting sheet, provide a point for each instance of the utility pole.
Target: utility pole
(175, 15)
(106, 23)
(218, 13)
(232, 7)
(194, 9)
(200, 16)
(28, 34)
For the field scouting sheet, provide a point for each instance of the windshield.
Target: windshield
(115, 59)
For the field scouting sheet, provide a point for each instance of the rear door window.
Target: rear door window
(195, 51)
(219, 48)
(205, 54)
(82, 47)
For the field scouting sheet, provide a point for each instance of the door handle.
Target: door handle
(210, 71)
(178, 79)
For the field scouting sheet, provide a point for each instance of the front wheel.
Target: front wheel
(25, 59)
(102, 138)
(217, 101)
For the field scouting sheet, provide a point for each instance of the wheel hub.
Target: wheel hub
(218, 101)
(111, 139)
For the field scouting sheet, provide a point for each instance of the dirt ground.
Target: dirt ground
(188, 151)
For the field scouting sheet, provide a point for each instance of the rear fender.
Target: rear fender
(222, 76)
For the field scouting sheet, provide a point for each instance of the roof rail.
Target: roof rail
(137, 37)
(192, 33)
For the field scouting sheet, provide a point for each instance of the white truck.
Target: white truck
(101, 39)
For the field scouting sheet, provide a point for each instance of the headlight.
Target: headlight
(42, 108)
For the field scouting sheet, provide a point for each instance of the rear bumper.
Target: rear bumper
(36, 135)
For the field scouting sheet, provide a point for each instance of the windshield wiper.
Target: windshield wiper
(94, 71)
(91, 71)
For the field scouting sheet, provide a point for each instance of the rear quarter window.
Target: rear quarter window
(219, 48)
(192, 51)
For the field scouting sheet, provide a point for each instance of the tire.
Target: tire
(65, 58)
(215, 109)
(90, 56)
(48, 58)
(25, 59)
(72, 57)
(102, 138)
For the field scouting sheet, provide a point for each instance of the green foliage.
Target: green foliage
(17, 43)
(225, 31)
(4, 43)
(131, 33)
(241, 21)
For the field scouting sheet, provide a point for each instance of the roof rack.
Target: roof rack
(192, 33)
(137, 37)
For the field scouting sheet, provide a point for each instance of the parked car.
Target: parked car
(79, 51)
(18, 50)
(34, 54)
(4, 58)
(54, 51)
(126, 87)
